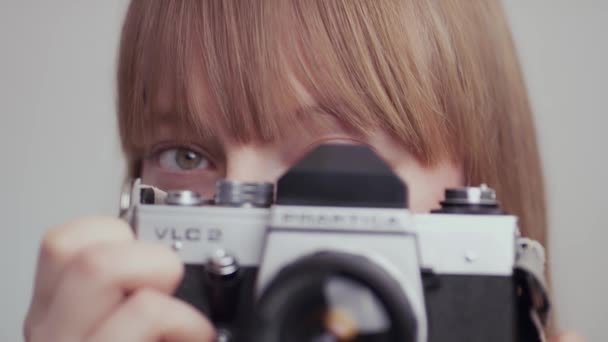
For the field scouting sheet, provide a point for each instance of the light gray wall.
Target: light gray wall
(564, 51)
(59, 151)
(60, 156)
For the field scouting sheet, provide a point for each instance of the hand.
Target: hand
(95, 282)
(567, 337)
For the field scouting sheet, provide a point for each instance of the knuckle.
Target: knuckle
(62, 241)
(93, 264)
(55, 242)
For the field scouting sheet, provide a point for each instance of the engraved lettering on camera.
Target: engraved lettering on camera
(327, 219)
(191, 234)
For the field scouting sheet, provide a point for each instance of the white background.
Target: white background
(60, 157)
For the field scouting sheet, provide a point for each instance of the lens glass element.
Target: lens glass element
(336, 309)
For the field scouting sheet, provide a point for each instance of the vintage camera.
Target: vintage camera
(334, 255)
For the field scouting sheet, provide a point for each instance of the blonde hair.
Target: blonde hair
(441, 77)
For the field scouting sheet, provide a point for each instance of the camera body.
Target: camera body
(337, 257)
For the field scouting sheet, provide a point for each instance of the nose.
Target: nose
(253, 163)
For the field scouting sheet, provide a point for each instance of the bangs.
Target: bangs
(440, 77)
(213, 68)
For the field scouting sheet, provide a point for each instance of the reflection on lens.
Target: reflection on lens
(337, 309)
(340, 324)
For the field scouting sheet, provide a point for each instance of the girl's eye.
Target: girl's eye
(183, 159)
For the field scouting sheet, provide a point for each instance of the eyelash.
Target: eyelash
(157, 152)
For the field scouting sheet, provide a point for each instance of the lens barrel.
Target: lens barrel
(334, 296)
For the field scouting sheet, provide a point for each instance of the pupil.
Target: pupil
(188, 159)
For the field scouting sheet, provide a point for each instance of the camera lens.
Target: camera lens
(334, 296)
(336, 309)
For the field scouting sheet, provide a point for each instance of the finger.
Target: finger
(568, 337)
(99, 278)
(149, 315)
(59, 245)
